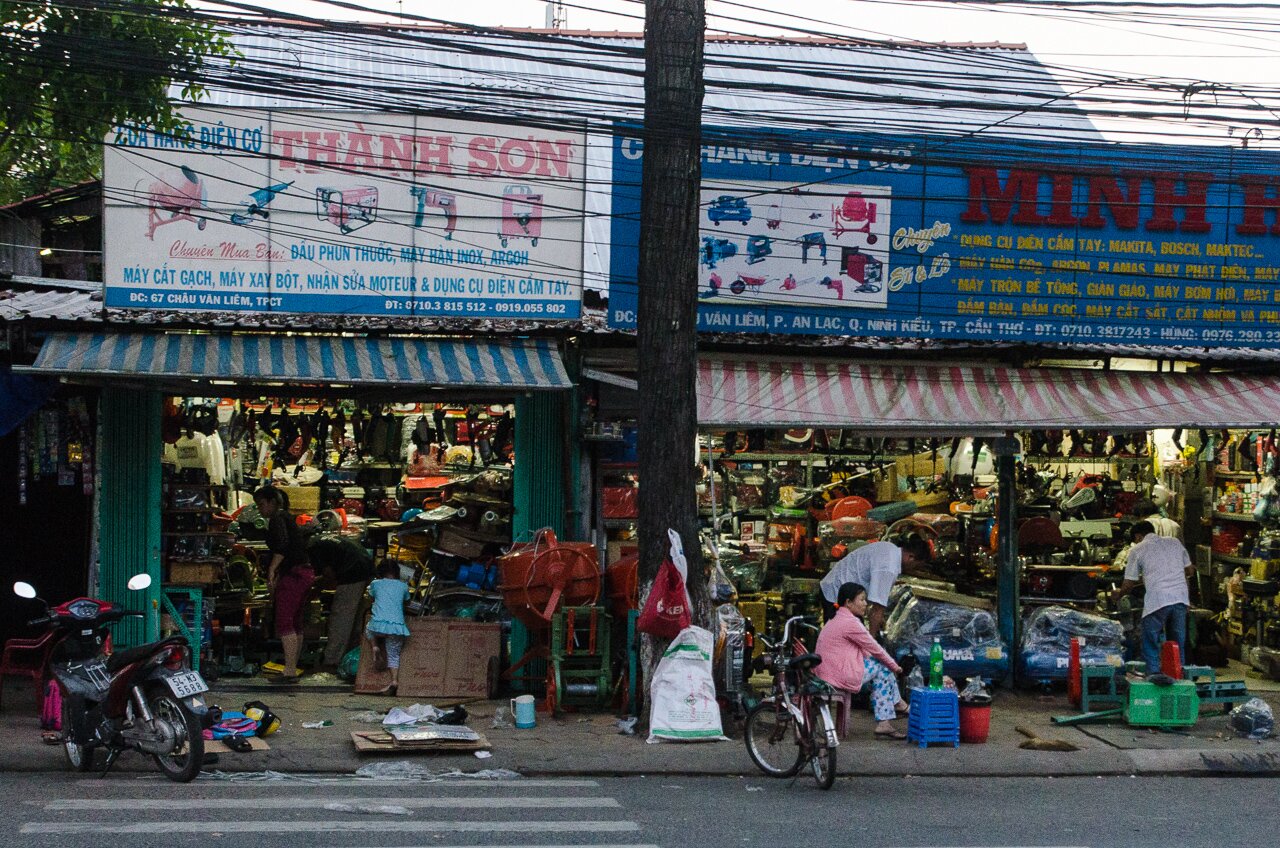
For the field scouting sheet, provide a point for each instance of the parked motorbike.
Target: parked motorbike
(144, 699)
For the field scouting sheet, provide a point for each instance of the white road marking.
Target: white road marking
(261, 803)
(470, 784)
(363, 825)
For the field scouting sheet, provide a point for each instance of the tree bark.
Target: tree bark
(668, 290)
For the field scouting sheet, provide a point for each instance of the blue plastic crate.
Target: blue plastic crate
(934, 717)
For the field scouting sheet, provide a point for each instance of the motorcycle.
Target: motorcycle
(144, 699)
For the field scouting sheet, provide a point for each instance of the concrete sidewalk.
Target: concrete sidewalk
(590, 744)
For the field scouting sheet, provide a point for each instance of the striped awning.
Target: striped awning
(308, 360)
(974, 399)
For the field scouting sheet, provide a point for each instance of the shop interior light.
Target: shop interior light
(46, 251)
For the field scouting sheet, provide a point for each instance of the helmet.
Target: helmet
(410, 514)
(1160, 496)
(268, 722)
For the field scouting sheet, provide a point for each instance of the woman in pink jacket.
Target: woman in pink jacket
(853, 660)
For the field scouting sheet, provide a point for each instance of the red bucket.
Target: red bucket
(975, 723)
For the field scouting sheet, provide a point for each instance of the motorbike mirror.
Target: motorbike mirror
(24, 590)
(139, 581)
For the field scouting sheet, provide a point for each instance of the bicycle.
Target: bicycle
(797, 712)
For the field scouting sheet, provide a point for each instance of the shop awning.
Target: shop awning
(318, 360)
(974, 399)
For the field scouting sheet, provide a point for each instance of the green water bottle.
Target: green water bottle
(935, 665)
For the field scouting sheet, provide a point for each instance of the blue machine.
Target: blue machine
(1046, 643)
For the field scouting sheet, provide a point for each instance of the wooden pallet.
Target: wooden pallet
(381, 742)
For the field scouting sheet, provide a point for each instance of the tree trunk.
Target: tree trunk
(668, 289)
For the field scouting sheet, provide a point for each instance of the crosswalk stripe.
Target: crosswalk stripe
(469, 784)
(260, 803)
(340, 826)
(535, 845)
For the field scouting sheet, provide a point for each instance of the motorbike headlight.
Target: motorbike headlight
(83, 610)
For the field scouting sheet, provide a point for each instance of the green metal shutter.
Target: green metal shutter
(129, 508)
(539, 469)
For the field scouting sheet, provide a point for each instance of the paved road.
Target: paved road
(343, 812)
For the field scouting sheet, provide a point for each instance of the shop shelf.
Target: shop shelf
(1236, 516)
(193, 510)
(197, 533)
(1235, 475)
(1231, 559)
(196, 486)
(619, 522)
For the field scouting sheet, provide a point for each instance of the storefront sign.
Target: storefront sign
(362, 214)
(974, 239)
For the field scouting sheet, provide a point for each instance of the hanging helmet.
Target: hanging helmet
(1160, 496)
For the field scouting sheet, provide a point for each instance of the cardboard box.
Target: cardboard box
(442, 658)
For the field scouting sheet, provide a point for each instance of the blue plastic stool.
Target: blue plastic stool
(935, 717)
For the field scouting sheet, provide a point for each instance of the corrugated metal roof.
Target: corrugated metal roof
(50, 305)
(785, 83)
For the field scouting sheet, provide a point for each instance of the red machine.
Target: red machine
(175, 198)
(854, 215)
(348, 209)
(521, 215)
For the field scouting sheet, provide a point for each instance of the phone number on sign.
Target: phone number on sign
(473, 307)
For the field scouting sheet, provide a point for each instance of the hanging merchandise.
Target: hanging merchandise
(666, 610)
(24, 467)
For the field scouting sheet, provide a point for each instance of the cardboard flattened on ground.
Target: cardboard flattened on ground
(216, 746)
(381, 742)
(443, 658)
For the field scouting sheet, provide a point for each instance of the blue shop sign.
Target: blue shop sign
(966, 238)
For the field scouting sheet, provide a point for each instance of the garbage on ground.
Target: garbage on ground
(405, 770)
(975, 694)
(483, 755)
(1253, 719)
(411, 715)
(501, 718)
(369, 717)
(683, 692)
(627, 726)
(316, 725)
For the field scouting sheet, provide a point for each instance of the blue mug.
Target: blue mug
(525, 711)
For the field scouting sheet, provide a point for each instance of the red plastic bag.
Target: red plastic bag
(666, 612)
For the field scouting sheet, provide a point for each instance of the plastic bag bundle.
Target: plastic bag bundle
(975, 694)
(970, 639)
(1046, 641)
(1253, 719)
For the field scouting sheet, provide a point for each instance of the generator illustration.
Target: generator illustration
(716, 250)
(445, 203)
(177, 197)
(521, 215)
(863, 268)
(348, 209)
(855, 214)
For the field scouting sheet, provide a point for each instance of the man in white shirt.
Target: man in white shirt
(1162, 565)
(875, 566)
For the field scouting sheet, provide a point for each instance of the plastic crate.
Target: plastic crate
(1162, 706)
(934, 717)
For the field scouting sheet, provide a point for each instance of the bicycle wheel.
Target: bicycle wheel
(823, 760)
(769, 732)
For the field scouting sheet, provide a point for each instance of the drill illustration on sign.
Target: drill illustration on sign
(175, 198)
(430, 198)
(521, 215)
(855, 214)
(348, 209)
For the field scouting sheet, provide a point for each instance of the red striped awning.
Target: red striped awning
(974, 399)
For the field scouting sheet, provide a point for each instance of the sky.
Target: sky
(1131, 42)
(1172, 45)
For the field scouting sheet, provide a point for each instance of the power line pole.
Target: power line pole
(668, 288)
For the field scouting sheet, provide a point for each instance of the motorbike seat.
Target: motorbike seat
(120, 659)
(804, 662)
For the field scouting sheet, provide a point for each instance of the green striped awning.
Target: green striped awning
(252, 358)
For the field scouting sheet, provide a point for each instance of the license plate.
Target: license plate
(187, 684)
